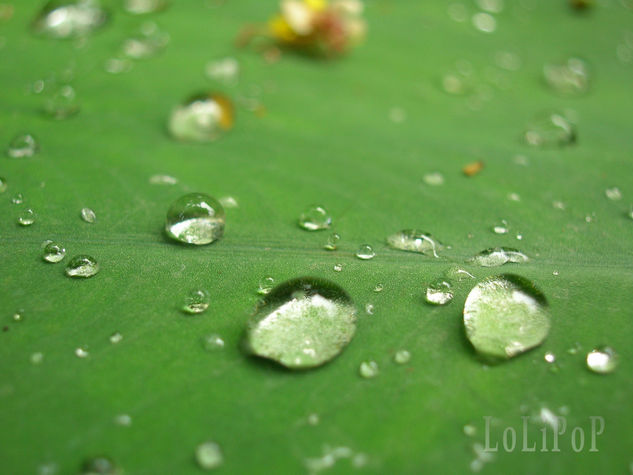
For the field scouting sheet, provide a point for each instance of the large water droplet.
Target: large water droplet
(365, 252)
(82, 266)
(69, 18)
(369, 369)
(552, 129)
(196, 301)
(22, 146)
(141, 7)
(203, 118)
(505, 315)
(439, 292)
(88, 215)
(53, 252)
(570, 77)
(415, 241)
(602, 360)
(26, 217)
(302, 323)
(497, 256)
(209, 455)
(315, 218)
(195, 218)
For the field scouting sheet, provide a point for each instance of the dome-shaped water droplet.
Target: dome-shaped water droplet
(53, 252)
(402, 357)
(379, 287)
(439, 292)
(434, 179)
(81, 352)
(369, 369)
(69, 18)
(195, 218)
(61, 102)
(147, 43)
(415, 241)
(99, 466)
(302, 323)
(570, 77)
(365, 252)
(22, 146)
(196, 301)
(498, 256)
(551, 129)
(614, 194)
(115, 338)
(17, 199)
(315, 218)
(141, 7)
(505, 315)
(332, 242)
(369, 309)
(88, 215)
(501, 228)
(338, 267)
(265, 285)
(26, 217)
(212, 342)
(209, 455)
(37, 357)
(602, 360)
(3, 185)
(203, 118)
(82, 266)
(224, 70)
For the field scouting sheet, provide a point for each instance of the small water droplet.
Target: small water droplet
(369, 369)
(53, 252)
(115, 338)
(224, 70)
(338, 267)
(69, 18)
(61, 102)
(439, 292)
(433, 179)
(26, 217)
(501, 228)
(212, 342)
(18, 316)
(209, 455)
(88, 215)
(81, 352)
(142, 7)
(118, 65)
(602, 360)
(99, 466)
(228, 202)
(558, 205)
(82, 266)
(484, 22)
(505, 315)
(413, 240)
(470, 430)
(570, 77)
(402, 357)
(332, 242)
(549, 357)
(17, 199)
(491, 6)
(458, 274)
(550, 130)
(162, 180)
(195, 218)
(369, 309)
(614, 194)
(149, 42)
(514, 197)
(379, 287)
(123, 420)
(519, 237)
(302, 323)
(203, 118)
(37, 358)
(313, 419)
(196, 301)
(497, 256)
(457, 12)
(22, 146)
(315, 218)
(365, 252)
(555, 273)
(3, 185)
(397, 115)
(265, 285)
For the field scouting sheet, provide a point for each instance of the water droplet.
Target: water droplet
(53, 252)
(550, 130)
(369, 369)
(514, 197)
(402, 357)
(458, 12)
(379, 287)
(501, 228)
(115, 338)
(224, 70)
(81, 352)
(484, 22)
(602, 360)
(369, 309)
(118, 65)
(195, 218)
(69, 18)
(209, 455)
(365, 252)
(146, 44)
(313, 419)
(26, 217)
(17, 199)
(37, 358)
(196, 301)
(162, 180)
(491, 6)
(555, 273)
(338, 267)
(332, 242)
(82, 266)
(142, 7)
(23, 145)
(61, 102)
(203, 118)
(88, 215)
(439, 292)
(549, 357)
(470, 430)
(212, 342)
(99, 466)
(228, 202)
(3, 185)
(614, 194)
(570, 77)
(558, 205)
(413, 240)
(265, 285)
(49, 468)
(18, 316)
(497, 256)
(123, 420)
(458, 274)
(505, 315)
(397, 115)
(519, 237)
(302, 323)
(315, 218)
(433, 179)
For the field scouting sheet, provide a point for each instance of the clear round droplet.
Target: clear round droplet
(302, 323)
(549, 357)
(434, 179)
(570, 77)
(212, 342)
(338, 267)
(53, 252)
(224, 70)
(402, 357)
(26, 217)
(369, 369)
(115, 338)
(379, 287)
(99, 466)
(149, 42)
(369, 309)
(61, 102)
(501, 228)
(88, 215)
(484, 22)
(17, 199)
(209, 455)
(315, 218)
(37, 358)
(196, 301)
(365, 252)
(81, 352)
(123, 420)
(332, 242)
(413, 240)
(142, 7)
(23, 146)
(505, 315)
(62, 19)
(18, 316)
(614, 194)
(265, 285)
(203, 118)
(195, 218)
(82, 266)
(550, 130)
(439, 292)
(602, 360)
(498, 256)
